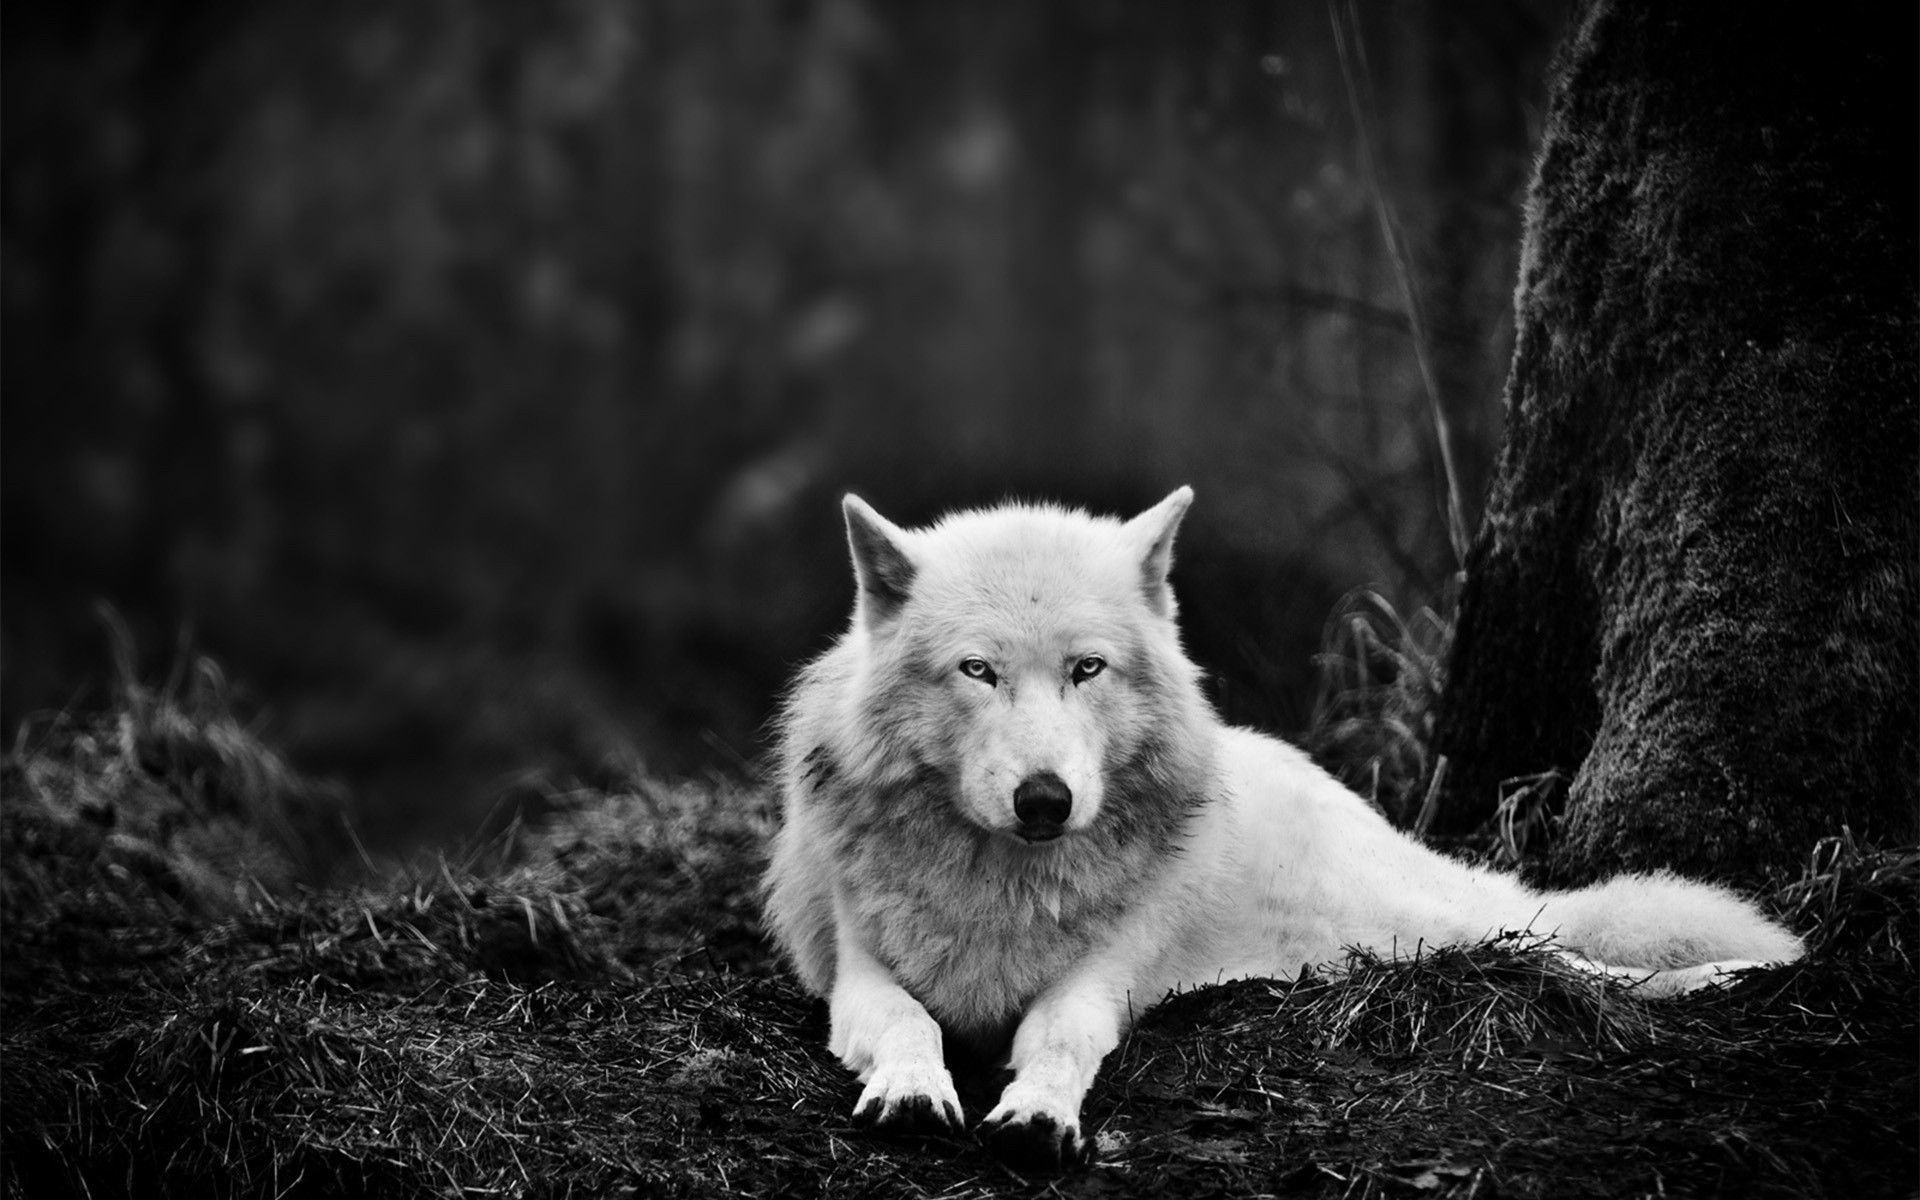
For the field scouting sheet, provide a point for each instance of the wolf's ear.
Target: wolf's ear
(881, 565)
(1152, 532)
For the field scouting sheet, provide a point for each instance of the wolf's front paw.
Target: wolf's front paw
(1033, 1134)
(911, 1098)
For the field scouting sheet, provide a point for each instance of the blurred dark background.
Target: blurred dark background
(478, 382)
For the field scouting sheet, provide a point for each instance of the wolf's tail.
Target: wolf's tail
(1666, 923)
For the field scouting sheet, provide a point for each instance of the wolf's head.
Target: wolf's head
(1029, 655)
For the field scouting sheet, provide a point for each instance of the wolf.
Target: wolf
(1011, 821)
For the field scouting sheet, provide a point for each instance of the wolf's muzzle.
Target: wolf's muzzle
(1042, 803)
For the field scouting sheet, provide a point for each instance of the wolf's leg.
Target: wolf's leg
(886, 1038)
(1056, 1050)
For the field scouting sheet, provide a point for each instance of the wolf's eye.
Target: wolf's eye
(977, 668)
(1088, 667)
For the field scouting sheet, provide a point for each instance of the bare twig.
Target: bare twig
(1431, 805)
(1353, 73)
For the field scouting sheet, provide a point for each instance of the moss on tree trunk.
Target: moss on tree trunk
(1694, 591)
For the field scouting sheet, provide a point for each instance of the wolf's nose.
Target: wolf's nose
(1042, 799)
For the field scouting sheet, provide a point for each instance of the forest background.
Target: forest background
(477, 383)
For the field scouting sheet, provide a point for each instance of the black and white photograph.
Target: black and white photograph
(960, 599)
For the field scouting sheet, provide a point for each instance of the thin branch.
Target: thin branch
(1389, 231)
(1293, 295)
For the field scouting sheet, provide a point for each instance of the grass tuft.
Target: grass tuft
(1380, 681)
(159, 812)
(1476, 1003)
(1858, 900)
(672, 867)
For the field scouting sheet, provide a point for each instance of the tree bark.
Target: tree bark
(1694, 590)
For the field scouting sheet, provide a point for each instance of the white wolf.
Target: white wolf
(1009, 812)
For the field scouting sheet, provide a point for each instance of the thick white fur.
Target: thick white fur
(900, 887)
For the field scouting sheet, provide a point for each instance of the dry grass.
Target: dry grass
(1380, 681)
(584, 1009)
(673, 866)
(161, 812)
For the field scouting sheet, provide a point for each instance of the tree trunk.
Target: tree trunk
(1694, 590)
